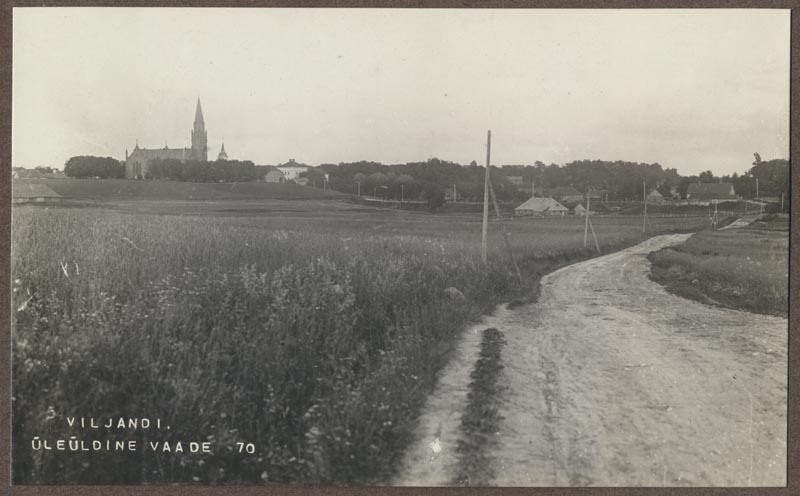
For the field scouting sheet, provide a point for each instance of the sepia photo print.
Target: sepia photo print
(400, 247)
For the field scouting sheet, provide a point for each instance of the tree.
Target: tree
(90, 166)
(707, 177)
(315, 177)
(434, 196)
(377, 179)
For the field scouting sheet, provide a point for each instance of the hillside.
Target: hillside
(123, 189)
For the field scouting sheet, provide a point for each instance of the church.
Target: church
(136, 163)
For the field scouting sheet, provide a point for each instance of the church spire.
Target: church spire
(199, 136)
(198, 114)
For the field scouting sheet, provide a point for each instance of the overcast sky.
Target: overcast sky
(689, 89)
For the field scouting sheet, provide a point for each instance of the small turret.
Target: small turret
(222, 155)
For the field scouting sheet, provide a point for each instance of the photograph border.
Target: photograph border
(6, 50)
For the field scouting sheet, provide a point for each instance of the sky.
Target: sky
(692, 90)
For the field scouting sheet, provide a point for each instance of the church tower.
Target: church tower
(199, 137)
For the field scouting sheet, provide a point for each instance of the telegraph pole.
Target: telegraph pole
(644, 197)
(586, 221)
(505, 234)
(486, 197)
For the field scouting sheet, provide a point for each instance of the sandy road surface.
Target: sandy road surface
(613, 381)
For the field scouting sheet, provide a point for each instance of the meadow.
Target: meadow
(746, 268)
(312, 329)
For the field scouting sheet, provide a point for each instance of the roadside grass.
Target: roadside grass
(315, 336)
(745, 268)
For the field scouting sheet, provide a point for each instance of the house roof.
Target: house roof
(32, 190)
(710, 191)
(537, 204)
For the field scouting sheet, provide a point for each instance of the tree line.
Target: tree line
(432, 179)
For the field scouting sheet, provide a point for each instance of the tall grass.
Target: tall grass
(746, 269)
(316, 345)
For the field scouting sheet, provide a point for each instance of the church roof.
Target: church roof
(159, 153)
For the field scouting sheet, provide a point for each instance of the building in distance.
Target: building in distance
(291, 170)
(537, 206)
(136, 163)
(24, 192)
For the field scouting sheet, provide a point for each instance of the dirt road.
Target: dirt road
(612, 381)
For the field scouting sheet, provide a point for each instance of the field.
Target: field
(738, 268)
(123, 189)
(312, 329)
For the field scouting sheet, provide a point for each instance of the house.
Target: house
(655, 198)
(541, 206)
(710, 192)
(580, 209)
(33, 193)
(292, 170)
(565, 194)
(271, 174)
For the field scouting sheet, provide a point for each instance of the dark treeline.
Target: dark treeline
(433, 179)
(612, 180)
(414, 181)
(89, 166)
(202, 172)
(616, 180)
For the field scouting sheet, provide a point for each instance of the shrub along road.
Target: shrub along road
(610, 380)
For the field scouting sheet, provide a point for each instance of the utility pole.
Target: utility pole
(533, 188)
(756, 188)
(586, 221)
(781, 202)
(402, 193)
(644, 197)
(455, 198)
(505, 234)
(486, 197)
(714, 217)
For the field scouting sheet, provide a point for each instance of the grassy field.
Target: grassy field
(124, 189)
(744, 268)
(313, 329)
